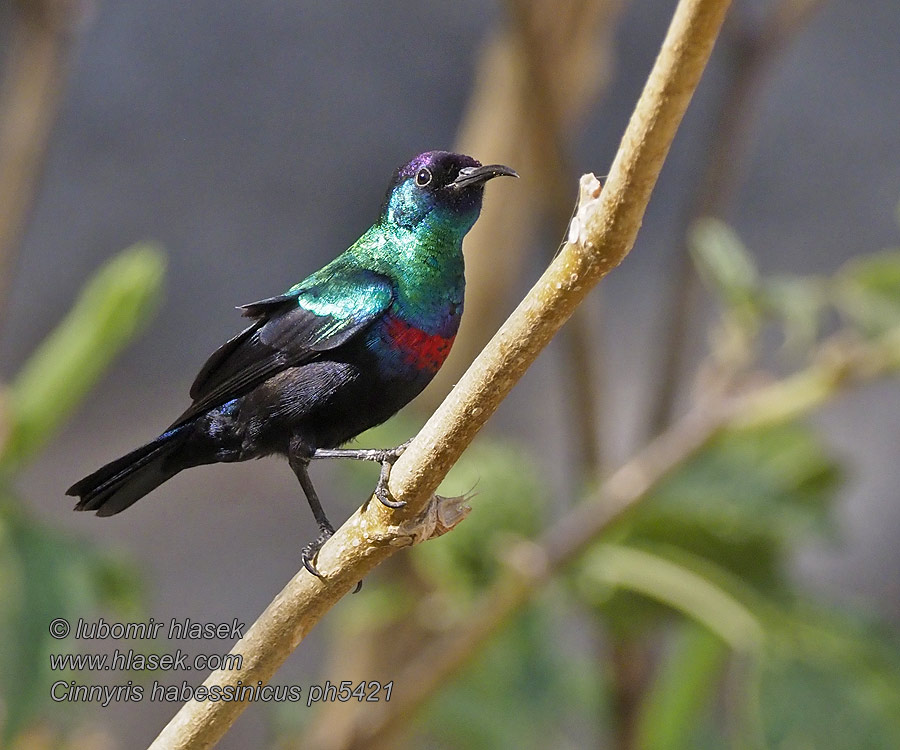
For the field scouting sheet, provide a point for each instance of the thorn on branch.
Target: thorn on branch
(441, 514)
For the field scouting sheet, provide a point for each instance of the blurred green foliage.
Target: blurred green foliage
(700, 572)
(45, 574)
(864, 294)
(701, 567)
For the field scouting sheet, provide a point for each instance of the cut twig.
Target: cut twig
(609, 224)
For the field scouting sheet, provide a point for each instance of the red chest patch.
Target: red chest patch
(424, 351)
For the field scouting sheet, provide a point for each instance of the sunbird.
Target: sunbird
(338, 353)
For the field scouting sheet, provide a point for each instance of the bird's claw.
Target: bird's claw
(311, 550)
(389, 457)
(384, 495)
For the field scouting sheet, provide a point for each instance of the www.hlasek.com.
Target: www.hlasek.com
(121, 661)
(70, 691)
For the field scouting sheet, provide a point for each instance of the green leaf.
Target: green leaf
(684, 687)
(614, 566)
(867, 292)
(743, 501)
(815, 678)
(108, 313)
(723, 262)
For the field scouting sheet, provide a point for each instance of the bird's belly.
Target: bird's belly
(313, 401)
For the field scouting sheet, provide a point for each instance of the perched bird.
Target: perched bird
(338, 353)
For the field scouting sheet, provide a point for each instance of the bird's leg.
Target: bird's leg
(300, 465)
(380, 455)
(299, 462)
(386, 457)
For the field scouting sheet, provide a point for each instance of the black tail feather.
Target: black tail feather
(121, 483)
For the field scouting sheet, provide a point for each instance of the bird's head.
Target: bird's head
(440, 189)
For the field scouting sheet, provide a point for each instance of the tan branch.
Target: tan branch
(608, 227)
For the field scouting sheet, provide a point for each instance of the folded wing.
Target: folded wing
(290, 330)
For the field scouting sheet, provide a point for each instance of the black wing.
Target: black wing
(289, 330)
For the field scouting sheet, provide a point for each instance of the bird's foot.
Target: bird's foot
(388, 459)
(311, 550)
(308, 555)
(385, 456)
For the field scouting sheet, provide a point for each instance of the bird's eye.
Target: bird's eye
(423, 177)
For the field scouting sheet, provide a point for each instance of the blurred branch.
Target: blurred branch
(750, 55)
(30, 92)
(839, 365)
(551, 160)
(544, 118)
(608, 224)
(583, 396)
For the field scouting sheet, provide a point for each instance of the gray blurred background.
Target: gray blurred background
(254, 142)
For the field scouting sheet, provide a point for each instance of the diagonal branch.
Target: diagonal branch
(603, 233)
(573, 40)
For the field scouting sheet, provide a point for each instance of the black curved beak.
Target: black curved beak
(473, 175)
